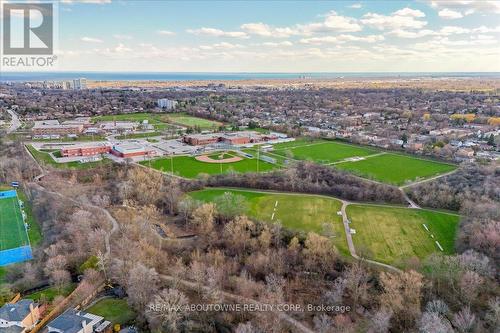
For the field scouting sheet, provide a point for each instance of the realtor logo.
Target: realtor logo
(28, 28)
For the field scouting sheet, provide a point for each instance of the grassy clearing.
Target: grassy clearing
(393, 235)
(321, 151)
(190, 121)
(189, 167)
(298, 212)
(155, 119)
(396, 169)
(45, 159)
(115, 310)
(48, 294)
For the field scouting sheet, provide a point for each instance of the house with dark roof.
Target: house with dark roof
(74, 321)
(19, 317)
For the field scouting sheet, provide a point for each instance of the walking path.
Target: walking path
(350, 242)
(428, 179)
(295, 324)
(15, 123)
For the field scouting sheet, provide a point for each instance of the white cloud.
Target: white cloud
(342, 39)
(221, 46)
(453, 30)
(449, 14)
(468, 7)
(91, 40)
(278, 44)
(405, 18)
(124, 37)
(217, 33)
(409, 12)
(356, 6)
(443, 32)
(265, 30)
(332, 22)
(411, 34)
(165, 32)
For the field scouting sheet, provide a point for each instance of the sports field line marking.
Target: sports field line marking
(272, 217)
(276, 204)
(346, 160)
(23, 225)
(439, 245)
(298, 146)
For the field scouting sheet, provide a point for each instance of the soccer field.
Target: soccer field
(190, 121)
(12, 231)
(189, 167)
(299, 212)
(321, 151)
(156, 119)
(395, 169)
(392, 235)
(391, 168)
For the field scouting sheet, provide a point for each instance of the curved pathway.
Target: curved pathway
(350, 242)
(15, 123)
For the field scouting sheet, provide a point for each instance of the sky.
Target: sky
(279, 36)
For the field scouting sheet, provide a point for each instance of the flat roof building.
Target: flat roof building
(86, 150)
(50, 127)
(130, 149)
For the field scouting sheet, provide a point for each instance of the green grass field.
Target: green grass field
(48, 294)
(190, 121)
(392, 235)
(35, 230)
(299, 212)
(189, 167)
(395, 169)
(321, 151)
(45, 159)
(12, 231)
(115, 310)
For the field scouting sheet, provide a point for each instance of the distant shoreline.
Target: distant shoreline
(235, 76)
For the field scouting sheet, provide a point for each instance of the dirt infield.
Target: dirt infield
(207, 159)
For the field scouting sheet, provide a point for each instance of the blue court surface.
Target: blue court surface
(8, 194)
(16, 255)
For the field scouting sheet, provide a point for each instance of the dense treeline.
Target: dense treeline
(469, 183)
(474, 190)
(248, 259)
(308, 177)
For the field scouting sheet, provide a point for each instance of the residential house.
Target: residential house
(74, 321)
(19, 317)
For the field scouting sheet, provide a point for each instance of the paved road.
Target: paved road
(15, 123)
